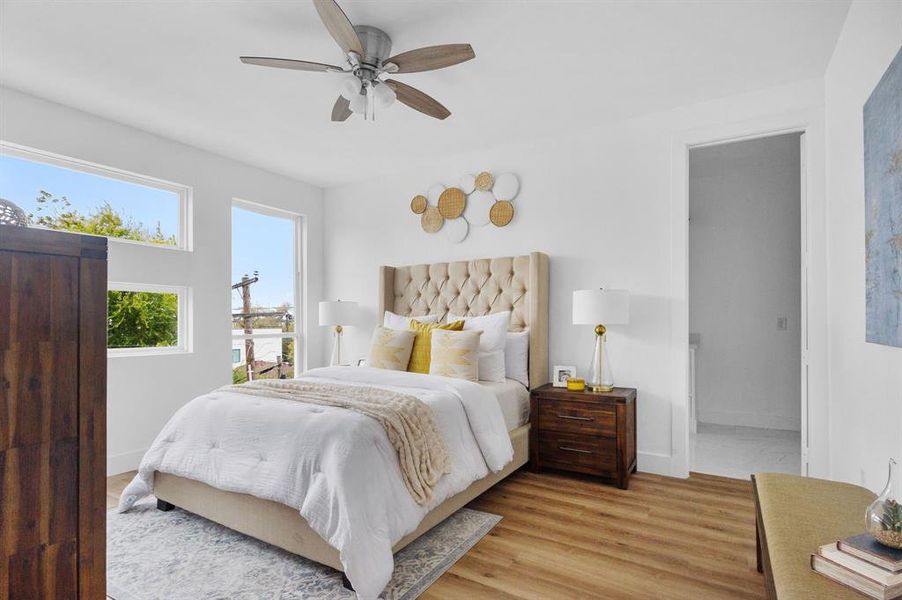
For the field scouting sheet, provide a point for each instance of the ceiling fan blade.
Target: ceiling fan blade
(432, 57)
(342, 109)
(417, 100)
(287, 63)
(339, 26)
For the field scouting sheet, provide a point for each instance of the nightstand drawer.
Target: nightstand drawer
(578, 453)
(576, 417)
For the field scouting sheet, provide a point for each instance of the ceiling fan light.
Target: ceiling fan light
(350, 87)
(358, 103)
(384, 96)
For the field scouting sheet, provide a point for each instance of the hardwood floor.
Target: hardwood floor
(568, 537)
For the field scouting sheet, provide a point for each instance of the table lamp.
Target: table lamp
(599, 307)
(337, 313)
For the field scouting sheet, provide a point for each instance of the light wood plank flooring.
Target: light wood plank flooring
(569, 537)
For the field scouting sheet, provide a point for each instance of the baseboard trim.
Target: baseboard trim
(122, 463)
(751, 419)
(652, 462)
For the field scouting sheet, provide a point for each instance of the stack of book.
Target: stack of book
(863, 564)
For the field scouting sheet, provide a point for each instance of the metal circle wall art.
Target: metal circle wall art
(467, 183)
(432, 220)
(484, 181)
(418, 204)
(478, 206)
(476, 201)
(456, 230)
(452, 202)
(502, 213)
(506, 186)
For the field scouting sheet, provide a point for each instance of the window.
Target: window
(63, 193)
(266, 333)
(146, 319)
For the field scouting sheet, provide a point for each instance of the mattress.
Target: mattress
(514, 400)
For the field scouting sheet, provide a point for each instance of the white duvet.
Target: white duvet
(336, 466)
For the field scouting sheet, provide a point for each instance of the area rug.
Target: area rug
(176, 555)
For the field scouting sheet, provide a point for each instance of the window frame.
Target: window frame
(185, 342)
(299, 335)
(185, 193)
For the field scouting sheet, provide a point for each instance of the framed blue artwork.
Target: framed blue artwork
(883, 207)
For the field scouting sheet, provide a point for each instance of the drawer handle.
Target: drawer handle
(569, 449)
(572, 418)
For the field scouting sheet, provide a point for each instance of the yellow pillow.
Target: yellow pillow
(421, 354)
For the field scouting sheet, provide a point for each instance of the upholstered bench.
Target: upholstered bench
(795, 516)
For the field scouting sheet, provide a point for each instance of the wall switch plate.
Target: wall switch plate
(782, 323)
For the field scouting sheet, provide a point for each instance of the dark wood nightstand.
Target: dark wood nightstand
(586, 432)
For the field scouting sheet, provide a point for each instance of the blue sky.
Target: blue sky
(260, 242)
(266, 244)
(21, 180)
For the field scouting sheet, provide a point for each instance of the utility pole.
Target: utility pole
(245, 285)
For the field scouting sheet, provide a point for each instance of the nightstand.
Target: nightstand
(586, 432)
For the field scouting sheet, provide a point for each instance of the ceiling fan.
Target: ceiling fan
(364, 86)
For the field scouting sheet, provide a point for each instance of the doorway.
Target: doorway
(745, 300)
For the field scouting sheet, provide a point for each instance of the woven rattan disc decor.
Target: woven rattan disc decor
(484, 181)
(452, 202)
(432, 220)
(418, 204)
(502, 213)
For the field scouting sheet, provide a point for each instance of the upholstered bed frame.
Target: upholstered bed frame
(476, 287)
(473, 288)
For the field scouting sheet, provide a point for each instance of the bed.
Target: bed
(478, 287)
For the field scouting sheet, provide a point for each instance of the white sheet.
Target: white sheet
(337, 467)
(513, 398)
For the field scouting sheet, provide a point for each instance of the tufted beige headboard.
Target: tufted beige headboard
(477, 287)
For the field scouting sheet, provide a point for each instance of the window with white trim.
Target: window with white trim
(58, 192)
(266, 259)
(146, 319)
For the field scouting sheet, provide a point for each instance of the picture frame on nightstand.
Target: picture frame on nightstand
(560, 374)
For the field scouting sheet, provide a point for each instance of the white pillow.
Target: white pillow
(491, 343)
(516, 356)
(393, 321)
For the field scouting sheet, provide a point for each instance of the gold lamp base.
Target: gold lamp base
(600, 388)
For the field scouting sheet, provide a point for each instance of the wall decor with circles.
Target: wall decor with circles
(475, 201)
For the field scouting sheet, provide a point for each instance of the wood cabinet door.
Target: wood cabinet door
(39, 425)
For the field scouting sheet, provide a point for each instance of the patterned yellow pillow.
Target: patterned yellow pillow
(456, 354)
(422, 344)
(390, 349)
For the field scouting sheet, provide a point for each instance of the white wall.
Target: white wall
(144, 391)
(599, 204)
(865, 379)
(744, 273)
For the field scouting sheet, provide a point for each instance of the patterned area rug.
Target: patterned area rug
(179, 556)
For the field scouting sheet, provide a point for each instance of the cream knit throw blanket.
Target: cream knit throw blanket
(407, 420)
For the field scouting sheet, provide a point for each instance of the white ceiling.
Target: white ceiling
(541, 68)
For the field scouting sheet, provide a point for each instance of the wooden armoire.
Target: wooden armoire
(53, 290)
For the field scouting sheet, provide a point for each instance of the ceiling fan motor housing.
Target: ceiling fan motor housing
(376, 46)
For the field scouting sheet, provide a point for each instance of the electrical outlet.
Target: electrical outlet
(782, 323)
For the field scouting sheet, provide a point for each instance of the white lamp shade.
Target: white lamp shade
(337, 312)
(601, 307)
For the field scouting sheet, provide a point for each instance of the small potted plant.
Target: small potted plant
(884, 515)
